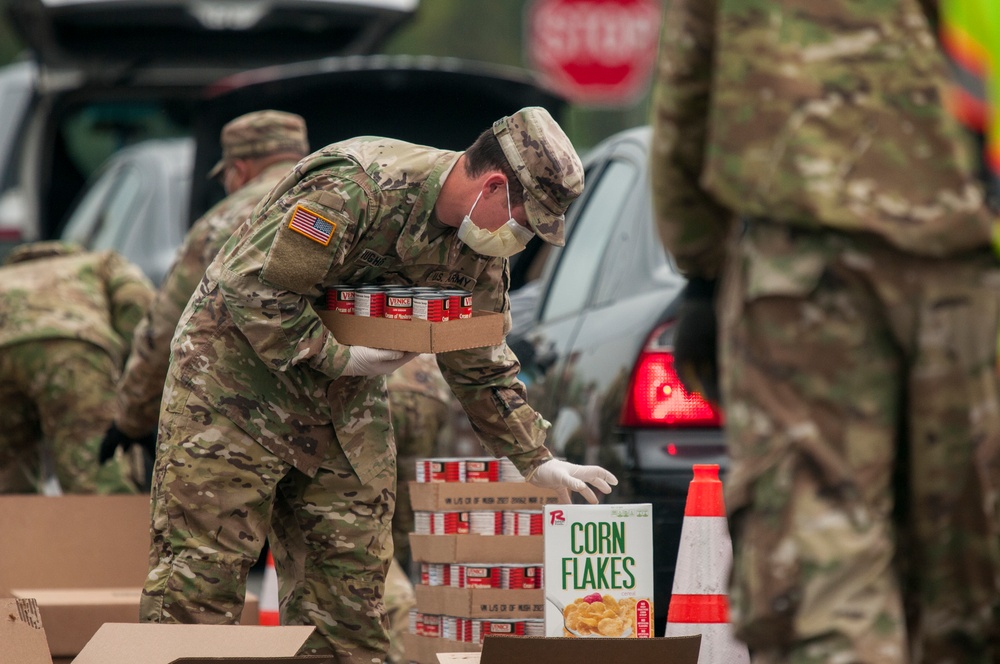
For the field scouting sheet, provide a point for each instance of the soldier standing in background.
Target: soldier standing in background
(258, 149)
(271, 428)
(420, 406)
(66, 323)
(858, 305)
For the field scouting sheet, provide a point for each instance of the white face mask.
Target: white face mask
(505, 241)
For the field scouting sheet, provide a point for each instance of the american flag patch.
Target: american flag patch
(312, 225)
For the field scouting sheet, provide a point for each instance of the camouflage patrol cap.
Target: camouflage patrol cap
(259, 134)
(547, 166)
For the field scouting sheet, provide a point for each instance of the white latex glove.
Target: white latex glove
(564, 477)
(366, 361)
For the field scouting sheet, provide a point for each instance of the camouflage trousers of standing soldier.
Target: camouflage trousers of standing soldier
(58, 400)
(864, 437)
(217, 493)
(417, 421)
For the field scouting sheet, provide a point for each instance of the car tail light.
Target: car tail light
(656, 396)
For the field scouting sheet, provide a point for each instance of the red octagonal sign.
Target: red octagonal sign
(594, 51)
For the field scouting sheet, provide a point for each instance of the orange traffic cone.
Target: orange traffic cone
(268, 614)
(698, 603)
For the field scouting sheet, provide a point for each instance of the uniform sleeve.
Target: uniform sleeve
(485, 382)
(130, 294)
(270, 279)
(692, 226)
(141, 385)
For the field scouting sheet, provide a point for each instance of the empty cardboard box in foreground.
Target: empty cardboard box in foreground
(198, 644)
(485, 328)
(82, 559)
(558, 650)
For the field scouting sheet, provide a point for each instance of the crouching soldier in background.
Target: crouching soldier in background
(66, 323)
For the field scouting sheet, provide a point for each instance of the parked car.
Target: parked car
(594, 335)
(104, 74)
(138, 204)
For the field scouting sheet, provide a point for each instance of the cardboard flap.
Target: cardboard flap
(315, 659)
(459, 657)
(556, 650)
(151, 643)
(21, 633)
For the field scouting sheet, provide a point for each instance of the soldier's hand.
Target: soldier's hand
(564, 477)
(115, 438)
(366, 361)
(695, 353)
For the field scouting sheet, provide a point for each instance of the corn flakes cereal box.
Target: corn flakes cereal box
(598, 575)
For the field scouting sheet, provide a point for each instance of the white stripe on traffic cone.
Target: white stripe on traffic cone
(268, 614)
(698, 603)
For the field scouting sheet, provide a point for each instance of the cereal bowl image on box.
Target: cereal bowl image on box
(598, 575)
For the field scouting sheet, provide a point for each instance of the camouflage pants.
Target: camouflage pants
(417, 421)
(58, 400)
(862, 424)
(217, 493)
(399, 599)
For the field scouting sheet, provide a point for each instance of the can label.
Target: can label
(459, 303)
(482, 470)
(340, 298)
(369, 302)
(429, 307)
(398, 305)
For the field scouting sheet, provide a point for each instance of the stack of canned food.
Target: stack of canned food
(472, 630)
(467, 469)
(459, 575)
(478, 522)
(400, 302)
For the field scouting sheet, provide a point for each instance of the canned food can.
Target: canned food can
(486, 522)
(429, 307)
(482, 470)
(528, 523)
(491, 627)
(459, 303)
(434, 470)
(340, 298)
(483, 576)
(369, 301)
(431, 625)
(399, 304)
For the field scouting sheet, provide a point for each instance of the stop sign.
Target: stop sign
(594, 51)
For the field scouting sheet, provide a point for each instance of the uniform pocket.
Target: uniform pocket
(360, 415)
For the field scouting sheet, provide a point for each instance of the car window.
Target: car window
(575, 275)
(101, 217)
(634, 251)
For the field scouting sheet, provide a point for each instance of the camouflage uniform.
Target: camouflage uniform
(260, 428)
(419, 402)
(420, 406)
(256, 134)
(858, 319)
(66, 323)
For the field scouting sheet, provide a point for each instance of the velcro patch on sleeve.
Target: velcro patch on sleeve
(304, 246)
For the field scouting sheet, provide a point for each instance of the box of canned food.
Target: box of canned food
(598, 570)
(483, 328)
(493, 496)
(479, 602)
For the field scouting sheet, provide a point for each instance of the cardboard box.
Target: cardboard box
(599, 570)
(502, 549)
(72, 616)
(82, 558)
(22, 635)
(669, 650)
(151, 643)
(480, 602)
(485, 328)
(470, 496)
(425, 649)
(73, 542)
